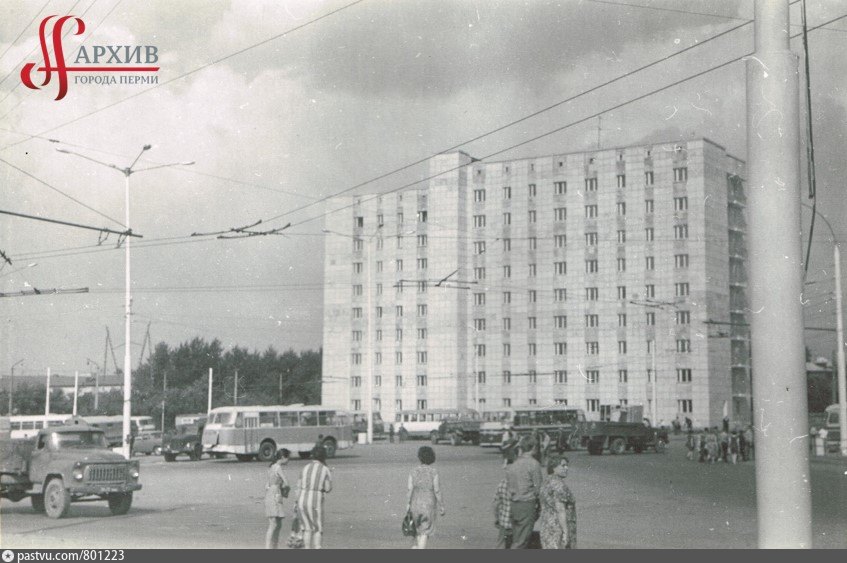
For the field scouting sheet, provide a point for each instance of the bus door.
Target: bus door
(251, 432)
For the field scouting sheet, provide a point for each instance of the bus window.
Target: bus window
(239, 420)
(267, 419)
(323, 418)
(16, 425)
(55, 423)
(832, 420)
(308, 418)
(27, 425)
(288, 419)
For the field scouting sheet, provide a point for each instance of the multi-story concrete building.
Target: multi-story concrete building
(593, 279)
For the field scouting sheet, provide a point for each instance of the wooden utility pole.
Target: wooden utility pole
(776, 284)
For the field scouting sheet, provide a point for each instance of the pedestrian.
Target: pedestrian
(401, 433)
(315, 483)
(507, 444)
(702, 447)
(677, 426)
(749, 437)
(390, 433)
(691, 444)
(558, 507)
(319, 443)
(726, 424)
(525, 480)
(724, 444)
(712, 445)
(424, 496)
(276, 491)
(503, 509)
(734, 447)
(689, 424)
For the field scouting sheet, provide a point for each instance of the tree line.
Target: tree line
(180, 376)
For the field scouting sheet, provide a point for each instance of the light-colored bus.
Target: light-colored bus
(259, 431)
(24, 427)
(494, 424)
(833, 428)
(425, 423)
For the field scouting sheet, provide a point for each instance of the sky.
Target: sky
(283, 103)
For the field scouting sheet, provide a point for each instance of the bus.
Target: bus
(259, 431)
(186, 419)
(25, 427)
(426, 423)
(359, 420)
(494, 424)
(557, 420)
(833, 429)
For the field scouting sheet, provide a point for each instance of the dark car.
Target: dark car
(148, 442)
(187, 439)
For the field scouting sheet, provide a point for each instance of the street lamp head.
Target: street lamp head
(147, 147)
(191, 163)
(63, 151)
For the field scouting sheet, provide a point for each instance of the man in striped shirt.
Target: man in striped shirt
(315, 482)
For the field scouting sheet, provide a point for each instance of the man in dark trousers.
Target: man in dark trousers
(390, 433)
(524, 478)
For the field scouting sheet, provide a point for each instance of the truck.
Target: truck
(187, 439)
(625, 430)
(458, 430)
(64, 464)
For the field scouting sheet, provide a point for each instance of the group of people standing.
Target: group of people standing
(713, 445)
(315, 482)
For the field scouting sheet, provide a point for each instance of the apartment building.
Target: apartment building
(592, 279)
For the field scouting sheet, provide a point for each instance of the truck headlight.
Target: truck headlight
(134, 472)
(78, 473)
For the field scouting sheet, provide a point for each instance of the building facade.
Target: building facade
(591, 279)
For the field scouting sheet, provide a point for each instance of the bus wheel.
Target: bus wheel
(267, 451)
(330, 447)
(433, 437)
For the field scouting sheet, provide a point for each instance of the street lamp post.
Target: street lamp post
(127, 172)
(12, 384)
(839, 336)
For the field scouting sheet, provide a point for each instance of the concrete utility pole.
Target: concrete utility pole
(842, 373)
(235, 390)
(76, 390)
(47, 395)
(776, 284)
(209, 409)
(12, 384)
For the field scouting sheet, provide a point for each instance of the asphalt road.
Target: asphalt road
(628, 501)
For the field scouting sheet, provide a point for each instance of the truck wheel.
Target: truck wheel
(243, 457)
(331, 447)
(661, 446)
(595, 447)
(618, 446)
(170, 457)
(455, 440)
(433, 437)
(57, 500)
(267, 451)
(37, 503)
(119, 503)
(573, 443)
(638, 447)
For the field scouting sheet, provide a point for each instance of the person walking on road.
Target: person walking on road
(503, 509)
(315, 483)
(525, 480)
(558, 507)
(390, 433)
(424, 496)
(275, 492)
(749, 440)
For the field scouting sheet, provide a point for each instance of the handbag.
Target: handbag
(409, 528)
(284, 490)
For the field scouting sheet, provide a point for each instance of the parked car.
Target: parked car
(148, 442)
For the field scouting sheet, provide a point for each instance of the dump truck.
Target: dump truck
(64, 464)
(626, 430)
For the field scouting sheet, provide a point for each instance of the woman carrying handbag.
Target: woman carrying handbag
(276, 491)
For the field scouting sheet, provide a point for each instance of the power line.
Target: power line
(198, 69)
(77, 225)
(15, 40)
(675, 10)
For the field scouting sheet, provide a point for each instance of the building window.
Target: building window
(591, 211)
(649, 380)
(648, 234)
(422, 357)
(622, 264)
(680, 260)
(561, 268)
(621, 181)
(480, 350)
(592, 348)
(422, 240)
(421, 379)
(560, 241)
(592, 294)
(648, 178)
(479, 196)
(650, 291)
(400, 218)
(479, 221)
(561, 348)
(379, 335)
(592, 321)
(398, 381)
(563, 402)
(682, 289)
(560, 375)
(591, 184)
(651, 319)
(358, 244)
(357, 404)
(621, 319)
(479, 299)
(399, 241)
(507, 271)
(360, 222)
(680, 203)
(398, 358)
(378, 358)
(685, 406)
(507, 323)
(422, 216)
(621, 207)
(532, 295)
(379, 289)
(357, 312)
(357, 336)
(507, 297)
(422, 334)
(648, 206)
(621, 237)
(561, 321)
(379, 267)
(480, 377)
(680, 174)
(621, 346)
(531, 348)
(356, 358)
(422, 286)
(531, 190)
(507, 402)
(591, 266)
(399, 265)
(623, 376)
(507, 218)
(422, 309)
(621, 292)
(357, 290)
(590, 239)
(560, 294)
(533, 243)
(479, 324)
(650, 263)
(680, 232)
(533, 270)
(357, 267)
(560, 188)
(479, 273)
(421, 404)
(683, 345)
(683, 375)
(479, 247)
(507, 192)
(398, 405)
(379, 243)
(560, 213)
(593, 376)
(532, 322)
(422, 263)
(507, 377)
(398, 287)
(532, 215)
(507, 245)
(533, 378)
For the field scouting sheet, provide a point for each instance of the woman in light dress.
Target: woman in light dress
(424, 496)
(274, 498)
(558, 507)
